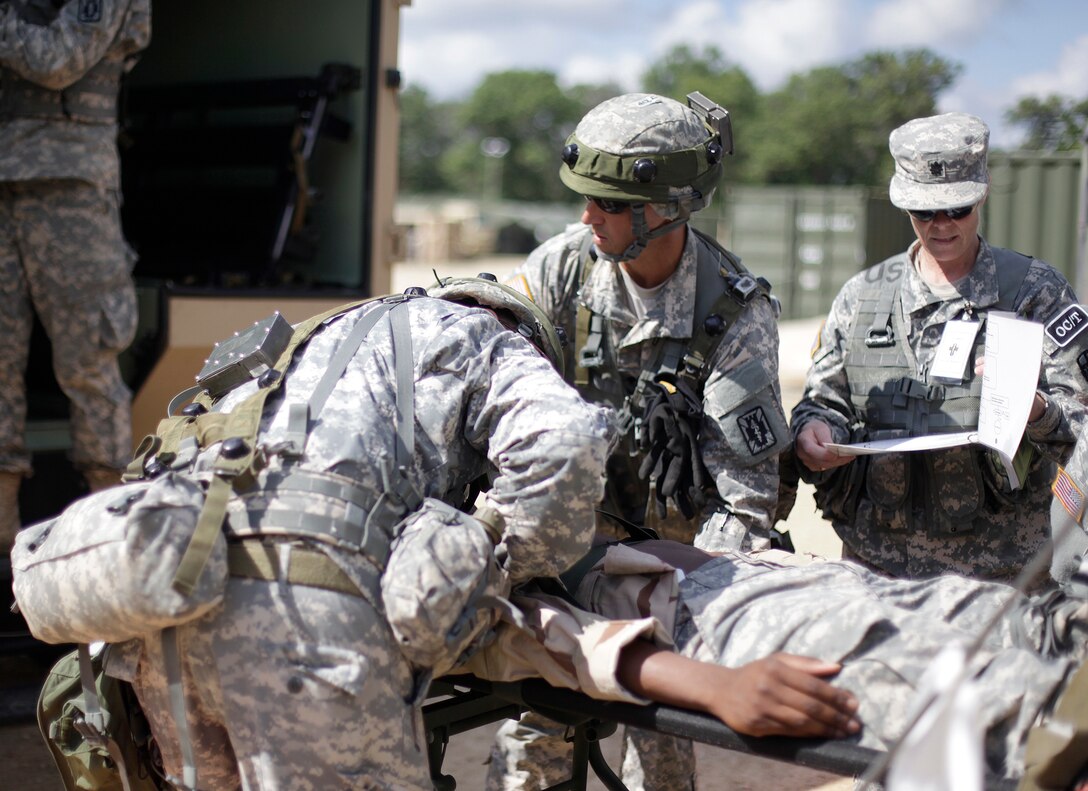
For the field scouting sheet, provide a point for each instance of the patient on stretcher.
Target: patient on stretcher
(827, 649)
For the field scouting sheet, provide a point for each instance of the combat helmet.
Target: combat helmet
(486, 291)
(643, 148)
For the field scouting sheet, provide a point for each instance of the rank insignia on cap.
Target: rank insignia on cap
(90, 10)
(1068, 494)
(756, 430)
(1067, 325)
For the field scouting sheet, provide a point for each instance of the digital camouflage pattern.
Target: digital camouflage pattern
(1067, 521)
(940, 162)
(63, 257)
(743, 377)
(87, 37)
(1006, 533)
(735, 609)
(62, 253)
(277, 664)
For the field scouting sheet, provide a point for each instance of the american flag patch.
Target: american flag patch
(1069, 495)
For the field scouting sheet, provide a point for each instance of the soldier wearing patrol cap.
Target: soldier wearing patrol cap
(874, 376)
(670, 329)
(62, 253)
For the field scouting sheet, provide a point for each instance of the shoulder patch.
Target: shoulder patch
(1068, 494)
(756, 430)
(1067, 325)
(90, 11)
(817, 341)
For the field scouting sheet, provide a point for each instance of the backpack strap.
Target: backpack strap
(234, 467)
(588, 326)
(92, 727)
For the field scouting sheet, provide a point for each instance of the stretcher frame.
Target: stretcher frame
(457, 704)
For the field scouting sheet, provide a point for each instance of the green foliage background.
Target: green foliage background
(827, 126)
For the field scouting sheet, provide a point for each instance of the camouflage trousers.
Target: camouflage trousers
(63, 257)
(532, 753)
(886, 634)
(289, 687)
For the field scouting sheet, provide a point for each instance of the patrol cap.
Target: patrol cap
(940, 162)
(484, 290)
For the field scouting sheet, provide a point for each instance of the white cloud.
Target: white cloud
(931, 23)
(1069, 77)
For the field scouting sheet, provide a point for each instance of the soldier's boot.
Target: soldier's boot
(9, 510)
(99, 478)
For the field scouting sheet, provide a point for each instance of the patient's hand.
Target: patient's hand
(780, 695)
(783, 695)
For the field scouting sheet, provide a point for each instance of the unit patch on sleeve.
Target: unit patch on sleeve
(756, 430)
(1067, 325)
(90, 11)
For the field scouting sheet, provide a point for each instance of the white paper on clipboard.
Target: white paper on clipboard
(1013, 351)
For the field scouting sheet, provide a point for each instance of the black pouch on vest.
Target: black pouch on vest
(954, 490)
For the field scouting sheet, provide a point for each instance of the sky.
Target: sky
(1008, 48)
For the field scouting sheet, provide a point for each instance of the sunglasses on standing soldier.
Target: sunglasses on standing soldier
(927, 215)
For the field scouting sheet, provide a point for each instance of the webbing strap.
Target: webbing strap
(172, 660)
(587, 337)
(242, 423)
(406, 390)
(196, 554)
(93, 727)
(339, 362)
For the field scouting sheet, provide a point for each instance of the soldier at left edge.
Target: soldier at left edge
(63, 255)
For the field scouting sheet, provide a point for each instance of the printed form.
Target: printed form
(1013, 352)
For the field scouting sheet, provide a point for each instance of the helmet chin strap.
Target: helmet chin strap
(642, 234)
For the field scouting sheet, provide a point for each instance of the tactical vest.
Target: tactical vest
(893, 398)
(92, 99)
(724, 289)
(265, 352)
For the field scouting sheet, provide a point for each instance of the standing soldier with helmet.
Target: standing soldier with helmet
(62, 252)
(672, 331)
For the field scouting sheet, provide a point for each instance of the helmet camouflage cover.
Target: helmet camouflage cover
(644, 148)
(533, 324)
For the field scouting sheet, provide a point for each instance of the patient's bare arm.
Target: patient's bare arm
(781, 695)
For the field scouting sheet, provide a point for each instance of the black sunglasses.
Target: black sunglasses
(607, 205)
(927, 215)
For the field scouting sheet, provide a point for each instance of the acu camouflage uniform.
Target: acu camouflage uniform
(925, 513)
(743, 426)
(735, 609)
(913, 517)
(742, 429)
(62, 253)
(302, 687)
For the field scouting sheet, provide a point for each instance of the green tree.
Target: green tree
(425, 135)
(533, 115)
(831, 124)
(1052, 123)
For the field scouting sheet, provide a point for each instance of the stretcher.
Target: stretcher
(457, 704)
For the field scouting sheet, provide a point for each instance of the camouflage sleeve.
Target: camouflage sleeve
(565, 646)
(57, 55)
(744, 430)
(547, 445)
(827, 391)
(1048, 298)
